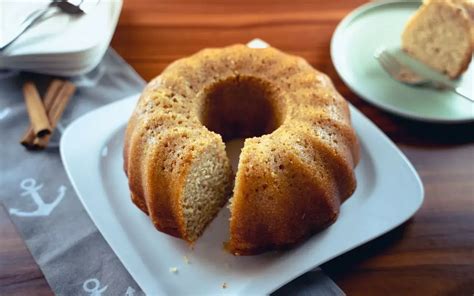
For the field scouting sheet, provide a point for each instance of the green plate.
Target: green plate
(379, 25)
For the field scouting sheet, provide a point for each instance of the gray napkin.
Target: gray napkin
(35, 190)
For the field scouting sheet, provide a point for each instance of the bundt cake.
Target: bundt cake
(441, 35)
(296, 166)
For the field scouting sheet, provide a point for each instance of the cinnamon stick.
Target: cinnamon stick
(51, 93)
(36, 111)
(56, 111)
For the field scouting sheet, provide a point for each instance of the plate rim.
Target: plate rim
(78, 122)
(334, 52)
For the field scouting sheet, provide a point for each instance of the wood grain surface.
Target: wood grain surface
(431, 254)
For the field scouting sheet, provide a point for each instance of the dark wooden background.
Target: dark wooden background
(431, 254)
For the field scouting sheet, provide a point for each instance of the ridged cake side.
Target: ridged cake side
(290, 183)
(291, 177)
(164, 150)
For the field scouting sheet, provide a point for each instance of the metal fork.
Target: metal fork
(402, 73)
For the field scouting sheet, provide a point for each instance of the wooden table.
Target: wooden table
(431, 254)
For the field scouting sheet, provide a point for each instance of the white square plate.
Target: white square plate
(389, 191)
(61, 45)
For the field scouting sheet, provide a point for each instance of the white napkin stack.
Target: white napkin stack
(64, 45)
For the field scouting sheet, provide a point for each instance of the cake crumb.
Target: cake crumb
(174, 269)
(186, 259)
(224, 285)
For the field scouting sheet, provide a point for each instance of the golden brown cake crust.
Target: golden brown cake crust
(295, 169)
(295, 190)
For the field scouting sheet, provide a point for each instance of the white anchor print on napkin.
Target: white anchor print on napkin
(92, 286)
(43, 209)
(130, 291)
(4, 113)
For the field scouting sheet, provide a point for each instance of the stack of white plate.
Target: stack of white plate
(63, 44)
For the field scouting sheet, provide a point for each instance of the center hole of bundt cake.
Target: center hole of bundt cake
(241, 107)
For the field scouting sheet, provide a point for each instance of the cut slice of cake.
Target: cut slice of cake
(468, 6)
(439, 35)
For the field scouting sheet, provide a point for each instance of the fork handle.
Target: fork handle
(457, 91)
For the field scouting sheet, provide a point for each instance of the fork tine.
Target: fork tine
(390, 61)
(388, 67)
(393, 59)
(385, 66)
(399, 71)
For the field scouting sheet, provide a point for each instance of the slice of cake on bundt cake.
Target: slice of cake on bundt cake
(295, 169)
